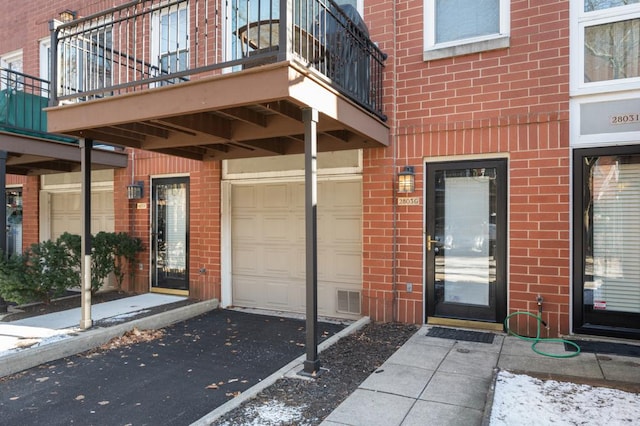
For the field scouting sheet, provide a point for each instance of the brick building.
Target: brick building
(517, 122)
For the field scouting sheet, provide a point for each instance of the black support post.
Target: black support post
(85, 170)
(310, 119)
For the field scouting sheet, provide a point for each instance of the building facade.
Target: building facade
(516, 123)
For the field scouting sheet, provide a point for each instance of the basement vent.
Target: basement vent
(349, 302)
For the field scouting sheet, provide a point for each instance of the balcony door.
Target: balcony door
(170, 235)
(465, 245)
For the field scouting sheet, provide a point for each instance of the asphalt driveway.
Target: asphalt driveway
(197, 366)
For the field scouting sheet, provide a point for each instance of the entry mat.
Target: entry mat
(610, 348)
(464, 335)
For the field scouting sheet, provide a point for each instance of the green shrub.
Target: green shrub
(48, 269)
(45, 271)
(125, 251)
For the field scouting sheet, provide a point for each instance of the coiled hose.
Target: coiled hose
(539, 339)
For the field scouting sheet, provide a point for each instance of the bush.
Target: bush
(48, 269)
(45, 271)
(125, 252)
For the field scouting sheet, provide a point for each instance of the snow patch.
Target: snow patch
(523, 400)
(274, 413)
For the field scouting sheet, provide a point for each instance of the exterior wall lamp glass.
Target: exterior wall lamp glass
(135, 191)
(406, 180)
(68, 15)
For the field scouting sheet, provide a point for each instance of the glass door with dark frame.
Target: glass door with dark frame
(465, 243)
(606, 233)
(170, 235)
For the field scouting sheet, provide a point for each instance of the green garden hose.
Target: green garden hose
(539, 339)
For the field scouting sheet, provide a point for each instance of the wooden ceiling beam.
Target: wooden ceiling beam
(246, 115)
(202, 122)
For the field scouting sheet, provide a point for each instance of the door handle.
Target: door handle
(430, 241)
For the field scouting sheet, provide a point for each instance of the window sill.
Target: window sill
(501, 42)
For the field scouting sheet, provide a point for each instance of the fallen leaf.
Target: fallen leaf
(232, 380)
(233, 394)
(42, 379)
(13, 398)
(103, 403)
(79, 397)
(212, 386)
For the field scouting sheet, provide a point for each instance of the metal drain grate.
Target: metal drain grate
(464, 335)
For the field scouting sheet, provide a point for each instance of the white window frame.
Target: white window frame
(6, 61)
(433, 50)
(156, 29)
(580, 20)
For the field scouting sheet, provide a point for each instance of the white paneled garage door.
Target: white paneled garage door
(268, 246)
(66, 213)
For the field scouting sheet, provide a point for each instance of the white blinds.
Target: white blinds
(616, 237)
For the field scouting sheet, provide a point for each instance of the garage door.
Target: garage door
(268, 246)
(66, 213)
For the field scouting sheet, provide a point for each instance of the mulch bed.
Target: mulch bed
(348, 363)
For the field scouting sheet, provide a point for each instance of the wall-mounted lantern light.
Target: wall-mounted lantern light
(68, 15)
(135, 191)
(406, 180)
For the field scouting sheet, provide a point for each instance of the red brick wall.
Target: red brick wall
(204, 221)
(510, 102)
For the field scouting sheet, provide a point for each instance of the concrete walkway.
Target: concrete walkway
(439, 381)
(429, 380)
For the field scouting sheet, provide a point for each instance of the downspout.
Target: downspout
(394, 141)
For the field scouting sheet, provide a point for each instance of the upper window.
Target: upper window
(609, 38)
(86, 59)
(12, 62)
(460, 27)
(171, 41)
(591, 5)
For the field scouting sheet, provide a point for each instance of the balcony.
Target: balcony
(30, 149)
(211, 80)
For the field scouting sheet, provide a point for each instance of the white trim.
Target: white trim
(292, 173)
(11, 57)
(579, 20)
(226, 275)
(577, 140)
(44, 53)
(433, 50)
(75, 187)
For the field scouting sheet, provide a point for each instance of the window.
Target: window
(608, 35)
(12, 62)
(87, 61)
(591, 5)
(460, 27)
(14, 221)
(171, 41)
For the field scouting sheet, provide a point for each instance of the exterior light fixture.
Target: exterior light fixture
(68, 15)
(135, 191)
(406, 180)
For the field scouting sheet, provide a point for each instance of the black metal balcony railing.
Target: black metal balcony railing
(22, 99)
(149, 43)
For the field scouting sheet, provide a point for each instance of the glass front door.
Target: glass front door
(170, 235)
(466, 240)
(607, 241)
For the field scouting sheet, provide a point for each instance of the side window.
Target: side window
(460, 27)
(12, 62)
(609, 38)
